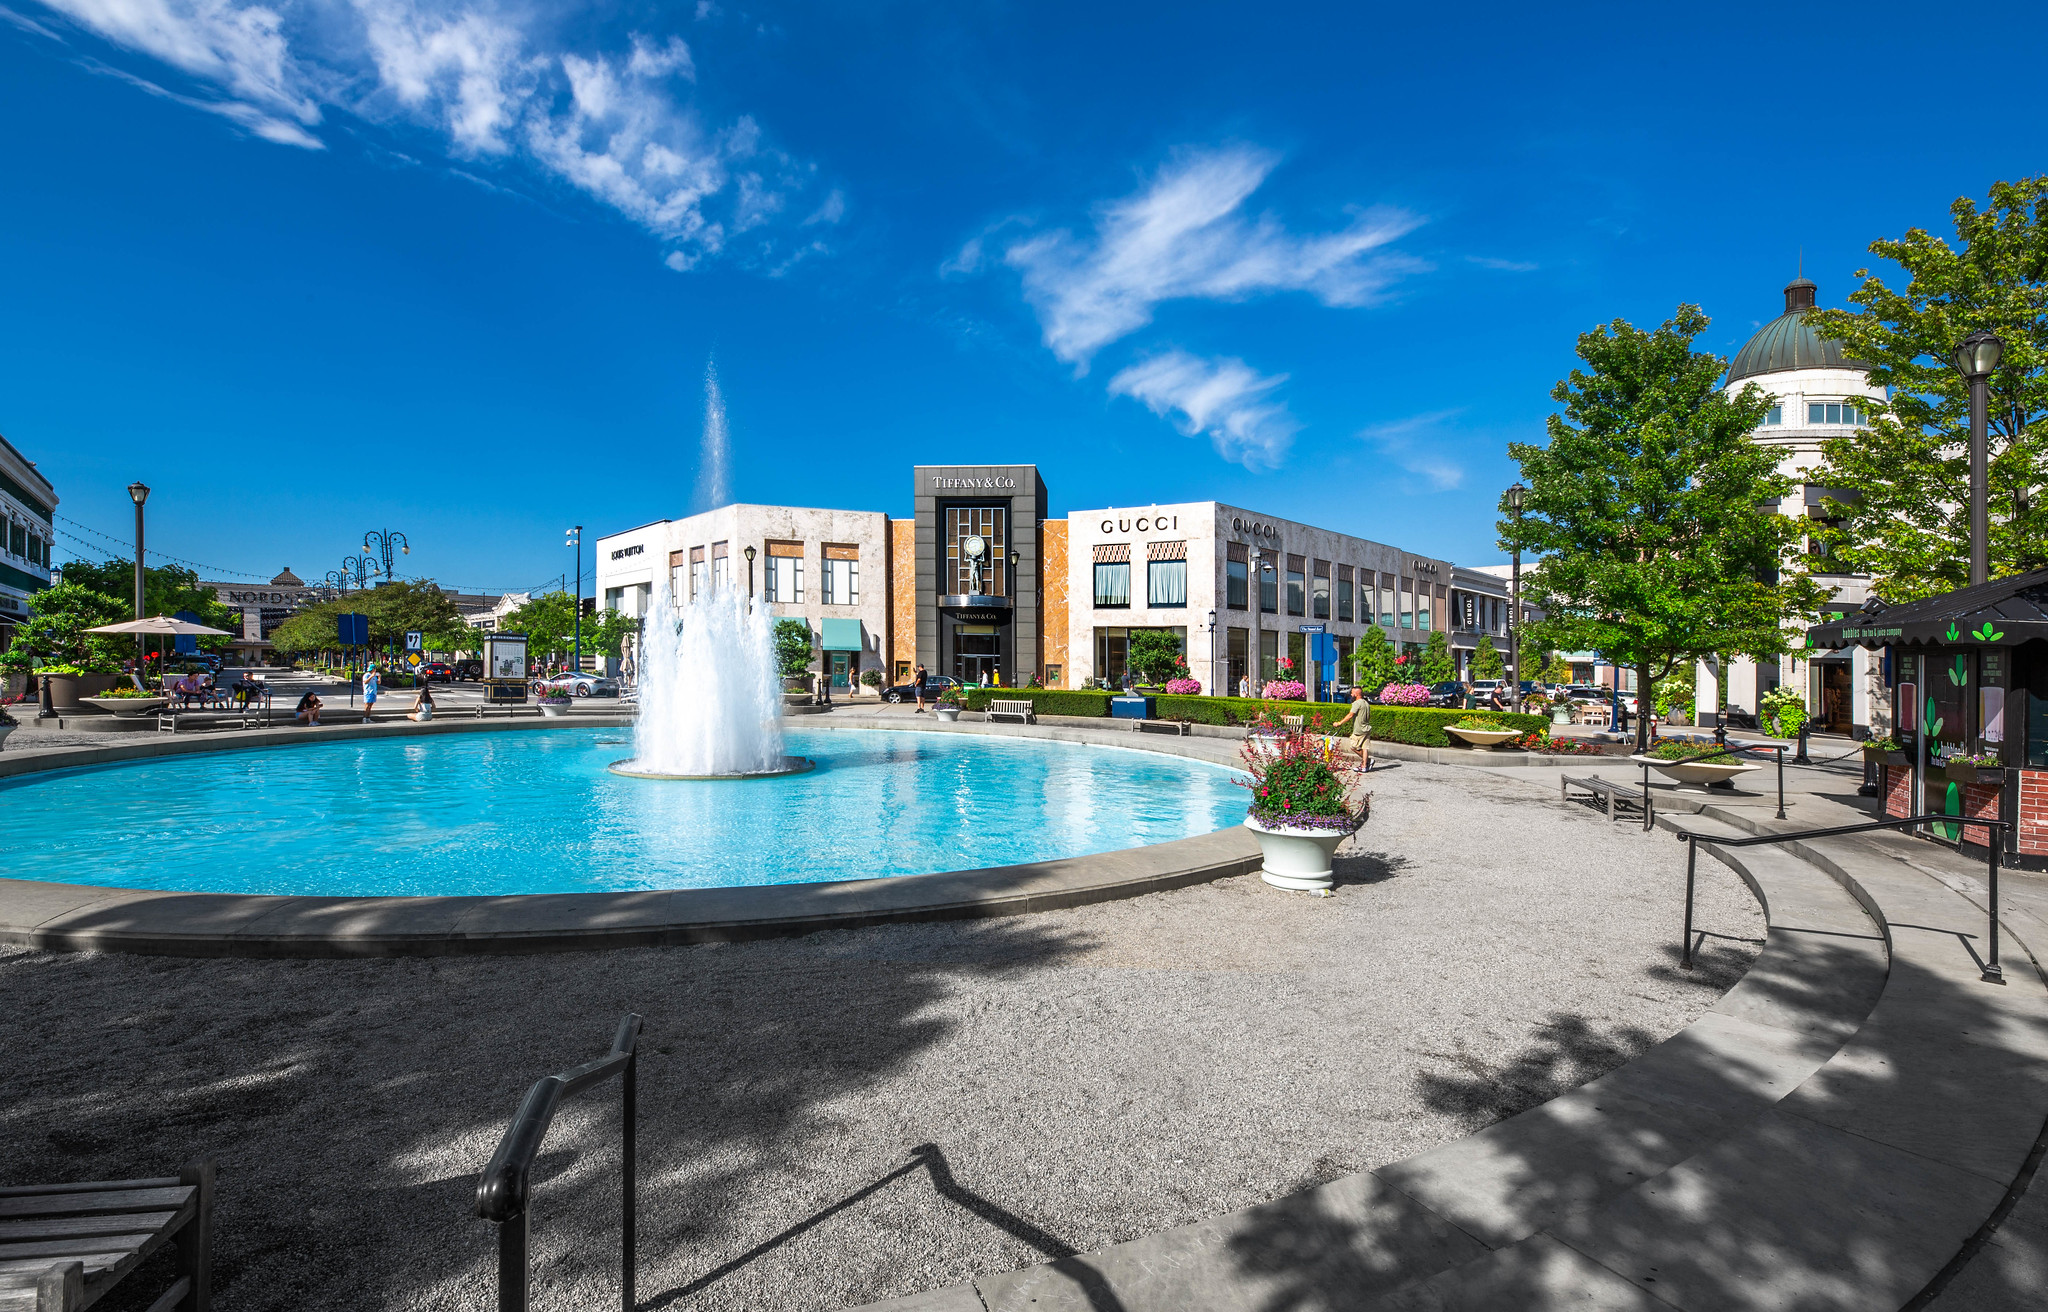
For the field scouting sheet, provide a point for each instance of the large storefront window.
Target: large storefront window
(977, 551)
(1236, 579)
(1112, 654)
(1269, 654)
(1166, 575)
(1112, 584)
(1237, 648)
(784, 579)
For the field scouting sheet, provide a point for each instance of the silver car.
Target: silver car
(580, 685)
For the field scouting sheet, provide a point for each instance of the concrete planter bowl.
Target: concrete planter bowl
(1483, 737)
(1297, 858)
(1698, 774)
(128, 706)
(553, 709)
(948, 713)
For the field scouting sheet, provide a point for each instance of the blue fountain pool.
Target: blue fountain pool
(536, 812)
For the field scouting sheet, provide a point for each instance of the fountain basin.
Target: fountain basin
(790, 765)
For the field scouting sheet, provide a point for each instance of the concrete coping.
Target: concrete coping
(91, 917)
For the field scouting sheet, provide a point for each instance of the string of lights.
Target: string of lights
(129, 547)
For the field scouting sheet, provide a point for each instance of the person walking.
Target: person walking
(1359, 717)
(373, 684)
(917, 677)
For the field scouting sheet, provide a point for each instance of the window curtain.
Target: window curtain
(1113, 583)
(1166, 583)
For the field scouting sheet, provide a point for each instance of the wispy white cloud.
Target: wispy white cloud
(27, 24)
(1224, 398)
(493, 80)
(1407, 442)
(1505, 266)
(1185, 236)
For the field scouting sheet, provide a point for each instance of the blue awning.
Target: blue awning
(842, 635)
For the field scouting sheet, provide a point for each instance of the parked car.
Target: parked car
(469, 671)
(934, 686)
(580, 685)
(437, 672)
(1451, 694)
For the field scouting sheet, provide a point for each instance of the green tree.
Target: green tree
(1487, 662)
(792, 647)
(1905, 515)
(166, 590)
(1156, 655)
(1437, 665)
(1644, 508)
(55, 633)
(309, 632)
(607, 633)
(548, 621)
(1372, 664)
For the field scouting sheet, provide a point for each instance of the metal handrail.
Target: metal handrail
(1995, 852)
(502, 1190)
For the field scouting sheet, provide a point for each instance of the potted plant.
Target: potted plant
(1677, 760)
(1478, 731)
(128, 701)
(554, 700)
(1884, 751)
(1299, 809)
(8, 724)
(871, 679)
(950, 704)
(1974, 768)
(62, 681)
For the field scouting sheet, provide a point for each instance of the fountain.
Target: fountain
(710, 704)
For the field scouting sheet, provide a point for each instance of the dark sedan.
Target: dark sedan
(1450, 694)
(935, 686)
(437, 672)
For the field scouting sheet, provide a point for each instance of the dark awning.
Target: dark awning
(2004, 612)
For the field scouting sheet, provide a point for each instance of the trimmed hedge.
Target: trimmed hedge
(1227, 711)
(1423, 726)
(1045, 701)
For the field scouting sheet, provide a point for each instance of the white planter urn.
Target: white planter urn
(1698, 774)
(553, 709)
(6, 729)
(1483, 737)
(949, 713)
(1296, 858)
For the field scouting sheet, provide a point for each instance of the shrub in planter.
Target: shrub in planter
(1298, 783)
(1404, 694)
(1183, 687)
(1287, 690)
(1423, 726)
(555, 696)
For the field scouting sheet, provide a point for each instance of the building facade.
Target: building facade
(28, 534)
(1239, 589)
(979, 607)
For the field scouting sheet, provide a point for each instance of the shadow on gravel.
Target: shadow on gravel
(349, 1142)
(1366, 867)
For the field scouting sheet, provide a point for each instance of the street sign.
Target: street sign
(1322, 649)
(412, 640)
(352, 630)
(413, 659)
(1313, 628)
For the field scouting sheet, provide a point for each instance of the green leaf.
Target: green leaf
(1952, 634)
(1985, 634)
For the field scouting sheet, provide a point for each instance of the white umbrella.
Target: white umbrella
(158, 624)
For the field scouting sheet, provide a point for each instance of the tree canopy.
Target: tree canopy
(1372, 662)
(1486, 660)
(55, 633)
(1904, 505)
(1648, 510)
(1437, 664)
(393, 610)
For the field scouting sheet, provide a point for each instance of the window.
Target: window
(841, 575)
(1405, 598)
(1237, 646)
(1053, 674)
(700, 573)
(1344, 594)
(17, 539)
(1775, 415)
(1295, 590)
(1297, 651)
(1269, 586)
(1166, 580)
(1112, 651)
(1319, 606)
(966, 573)
(784, 577)
(1236, 578)
(1836, 412)
(1113, 575)
(1269, 654)
(719, 578)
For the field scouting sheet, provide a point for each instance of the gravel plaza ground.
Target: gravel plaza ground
(853, 1115)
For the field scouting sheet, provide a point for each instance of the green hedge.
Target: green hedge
(1200, 710)
(1423, 726)
(1045, 701)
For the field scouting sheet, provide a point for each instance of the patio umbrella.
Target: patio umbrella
(160, 624)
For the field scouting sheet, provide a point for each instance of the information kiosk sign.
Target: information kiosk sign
(505, 676)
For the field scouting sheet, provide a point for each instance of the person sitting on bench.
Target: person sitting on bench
(309, 710)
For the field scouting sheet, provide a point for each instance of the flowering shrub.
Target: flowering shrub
(1297, 780)
(1183, 687)
(1286, 663)
(1537, 742)
(1287, 690)
(551, 693)
(1405, 694)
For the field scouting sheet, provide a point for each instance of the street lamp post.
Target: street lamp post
(381, 541)
(1516, 495)
(749, 554)
(139, 493)
(359, 568)
(576, 540)
(1975, 360)
(1215, 689)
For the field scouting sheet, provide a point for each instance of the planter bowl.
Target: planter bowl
(1975, 774)
(1296, 858)
(128, 706)
(1483, 737)
(949, 713)
(1698, 774)
(552, 709)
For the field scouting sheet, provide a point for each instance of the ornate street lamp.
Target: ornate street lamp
(381, 541)
(1975, 360)
(336, 580)
(1516, 496)
(139, 493)
(358, 568)
(749, 554)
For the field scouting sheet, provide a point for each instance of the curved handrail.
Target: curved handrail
(502, 1191)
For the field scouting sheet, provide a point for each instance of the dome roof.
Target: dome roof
(1787, 342)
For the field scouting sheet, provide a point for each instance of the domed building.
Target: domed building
(1817, 393)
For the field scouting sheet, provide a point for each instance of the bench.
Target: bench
(1616, 794)
(1020, 710)
(63, 1246)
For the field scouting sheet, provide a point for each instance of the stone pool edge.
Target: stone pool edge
(85, 917)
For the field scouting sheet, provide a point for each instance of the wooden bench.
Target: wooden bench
(63, 1246)
(1616, 794)
(1020, 710)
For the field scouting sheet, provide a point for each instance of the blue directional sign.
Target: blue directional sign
(352, 630)
(413, 640)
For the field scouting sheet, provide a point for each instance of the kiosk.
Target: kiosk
(505, 678)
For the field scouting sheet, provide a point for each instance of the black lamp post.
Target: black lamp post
(1975, 360)
(576, 540)
(359, 568)
(381, 541)
(749, 554)
(139, 493)
(1516, 495)
(1214, 690)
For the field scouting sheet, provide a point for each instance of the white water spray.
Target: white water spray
(714, 458)
(710, 703)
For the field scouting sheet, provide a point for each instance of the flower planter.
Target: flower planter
(6, 729)
(949, 713)
(1698, 774)
(553, 709)
(1561, 715)
(1899, 759)
(1483, 737)
(1296, 858)
(63, 690)
(1975, 774)
(128, 706)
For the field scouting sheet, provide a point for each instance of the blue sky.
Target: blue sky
(457, 269)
